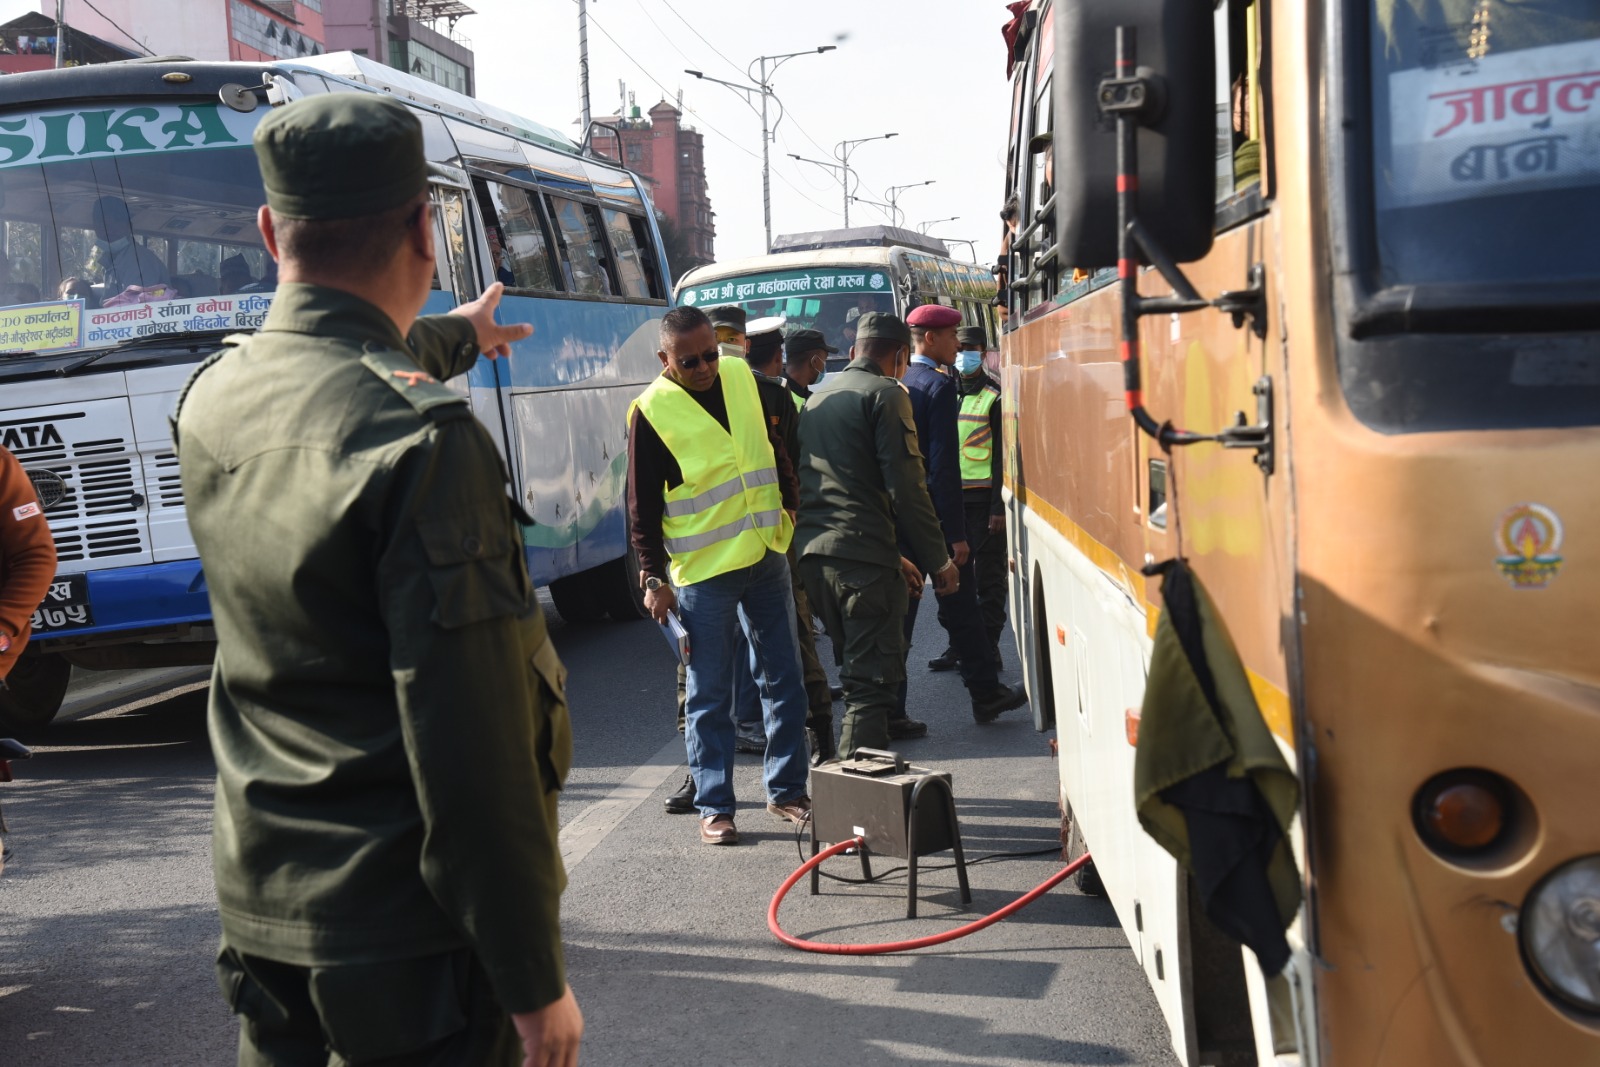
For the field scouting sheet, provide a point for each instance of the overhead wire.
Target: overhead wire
(701, 118)
(697, 33)
(119, 29)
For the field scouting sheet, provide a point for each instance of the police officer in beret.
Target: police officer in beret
(861, 478)
(386, 709)
(935, 404)
(805, 360)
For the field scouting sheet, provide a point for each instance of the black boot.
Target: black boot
(988, 706)
(823, 748)
(682, 802)
(945, 661)
(903, 728)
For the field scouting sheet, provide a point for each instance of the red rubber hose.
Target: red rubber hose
(900, 946)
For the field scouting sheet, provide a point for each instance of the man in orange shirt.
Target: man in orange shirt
(27, 559)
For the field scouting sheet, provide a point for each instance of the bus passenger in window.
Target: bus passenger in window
(234, 274)
(78, 289)
(499, 256)
(128, 262)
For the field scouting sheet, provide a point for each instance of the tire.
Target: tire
(616, 585)
(575, 600)
(1087, 879)
(33, 693)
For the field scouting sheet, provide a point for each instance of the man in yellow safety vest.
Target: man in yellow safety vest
(981, 466)
(712, 495)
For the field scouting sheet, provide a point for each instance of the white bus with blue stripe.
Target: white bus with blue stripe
(128, 195)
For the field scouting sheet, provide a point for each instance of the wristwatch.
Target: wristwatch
(653, 583)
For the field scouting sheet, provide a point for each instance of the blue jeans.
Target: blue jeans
(748, 709)
(762, 596)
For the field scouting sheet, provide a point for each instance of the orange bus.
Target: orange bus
(1363, 238)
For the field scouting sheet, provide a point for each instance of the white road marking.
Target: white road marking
(589, 828)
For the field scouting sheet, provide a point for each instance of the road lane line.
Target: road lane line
(590, 827)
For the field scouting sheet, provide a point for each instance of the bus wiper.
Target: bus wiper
(191, 341)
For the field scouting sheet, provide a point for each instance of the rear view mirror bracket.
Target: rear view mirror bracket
(1135, 97)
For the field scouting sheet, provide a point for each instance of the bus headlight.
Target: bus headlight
(1560, 930)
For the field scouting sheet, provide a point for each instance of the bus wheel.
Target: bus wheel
(616, 585)
(575, 598)
(1087, 879)
(33, 692)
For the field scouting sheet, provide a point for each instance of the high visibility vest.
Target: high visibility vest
(977, 440)
(728, 512)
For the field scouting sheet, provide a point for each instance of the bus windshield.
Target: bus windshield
(120, 224)
(828, 299)
(1486, 118)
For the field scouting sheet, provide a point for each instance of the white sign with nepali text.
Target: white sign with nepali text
(1508, 123)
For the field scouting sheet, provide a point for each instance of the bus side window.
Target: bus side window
(1238, 98)
(518, 247)
(635, 266)
(583, 248)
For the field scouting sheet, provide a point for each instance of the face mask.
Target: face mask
(969, 362)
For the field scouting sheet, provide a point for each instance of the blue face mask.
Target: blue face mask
(969, 362)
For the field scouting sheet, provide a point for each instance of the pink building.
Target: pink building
(671, 158)
(200, 29)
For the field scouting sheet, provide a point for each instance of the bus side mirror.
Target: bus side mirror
(1177, 136)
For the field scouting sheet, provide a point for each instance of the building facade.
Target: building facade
(406, 35)
(671, 158)
(251, 30)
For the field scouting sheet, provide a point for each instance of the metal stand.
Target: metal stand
(913, 823)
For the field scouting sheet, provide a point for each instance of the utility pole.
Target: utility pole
(841, 152)
(583, 69)
(61, 32)
(763, 86)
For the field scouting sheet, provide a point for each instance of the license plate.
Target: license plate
(65, 607)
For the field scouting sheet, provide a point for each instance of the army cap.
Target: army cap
(340, 156)
(727, 315)
(801, 342)
(972, 337)
(878, 325)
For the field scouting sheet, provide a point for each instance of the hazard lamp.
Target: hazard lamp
(1462, 812)
(1560, 932)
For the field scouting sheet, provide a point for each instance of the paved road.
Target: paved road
(107, 922)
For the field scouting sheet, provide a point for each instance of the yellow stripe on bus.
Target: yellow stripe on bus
(1273, 701)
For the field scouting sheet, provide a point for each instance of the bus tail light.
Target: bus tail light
(1560, 932)
(1462, 812)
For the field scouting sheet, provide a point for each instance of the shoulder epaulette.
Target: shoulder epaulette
(228, 343)
(421, 390)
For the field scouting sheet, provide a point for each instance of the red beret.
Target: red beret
(933, 317)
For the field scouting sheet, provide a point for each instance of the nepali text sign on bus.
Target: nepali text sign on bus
(787, 283)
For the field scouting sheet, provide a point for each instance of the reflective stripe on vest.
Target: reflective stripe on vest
(977, 440)
(728, 512)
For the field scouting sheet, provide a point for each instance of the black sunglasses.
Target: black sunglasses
(693, 362)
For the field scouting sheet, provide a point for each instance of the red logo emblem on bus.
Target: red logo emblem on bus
(1529, 540)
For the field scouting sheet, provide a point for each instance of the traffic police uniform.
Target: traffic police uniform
(981, 472)
(386, 709)
(861, 477)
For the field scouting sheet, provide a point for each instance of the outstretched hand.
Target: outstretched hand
(494, 339)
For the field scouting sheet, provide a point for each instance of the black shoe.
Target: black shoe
(988, 707)
(903, 729)
(945, 661)
(822, 746)
(836, 692)
(681, 802)
(750, 744)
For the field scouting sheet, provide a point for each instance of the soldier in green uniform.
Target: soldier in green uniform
(386, 709)
(861, 478)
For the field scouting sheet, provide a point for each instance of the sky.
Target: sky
(930, 71)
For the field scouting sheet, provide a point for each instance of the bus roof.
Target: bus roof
(860, 237)
(144, 77)
(826, 257)
(408, 87)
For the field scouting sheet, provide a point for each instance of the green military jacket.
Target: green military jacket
(861, 474)
(386, 709)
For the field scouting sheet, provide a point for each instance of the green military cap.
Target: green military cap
(880, 325)
(340, 155)
(728, 315)
(972, 337)
(804, 342)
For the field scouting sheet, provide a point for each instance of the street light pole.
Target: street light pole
(763, 87)
(888, 209)
(894, 200)
(925, 226)
(841, 152)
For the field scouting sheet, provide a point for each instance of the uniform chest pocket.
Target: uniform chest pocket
(909, 425)
(475, 569)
